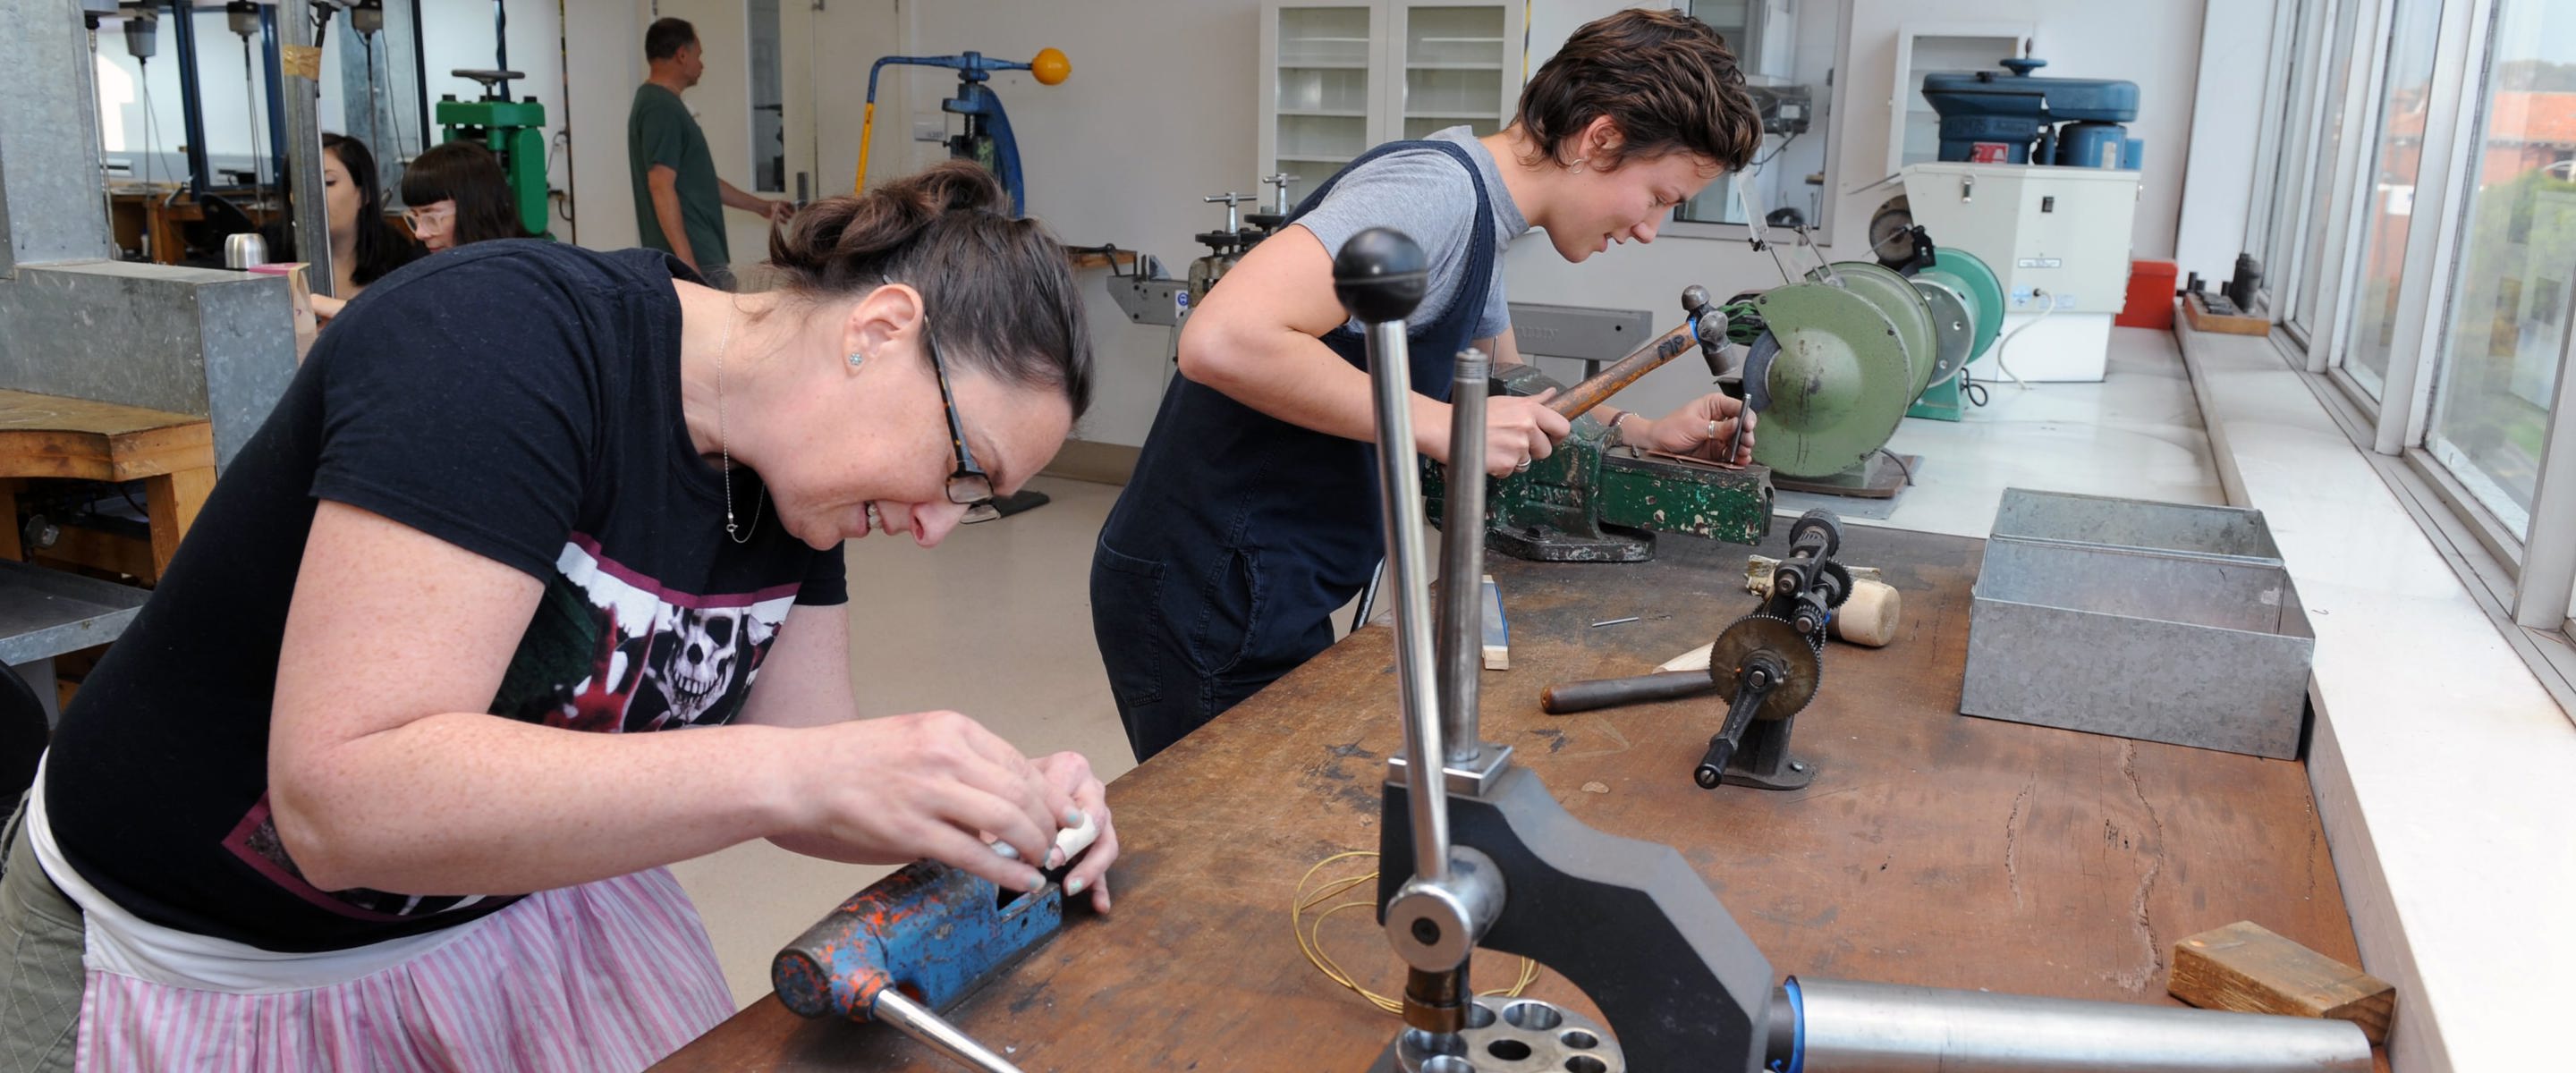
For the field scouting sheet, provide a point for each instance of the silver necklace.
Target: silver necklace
(739, 534)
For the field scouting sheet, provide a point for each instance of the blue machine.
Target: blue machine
(987, 138)
(1991, 117)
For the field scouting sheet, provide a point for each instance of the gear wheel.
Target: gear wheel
(1842, 587)
(1757, 633)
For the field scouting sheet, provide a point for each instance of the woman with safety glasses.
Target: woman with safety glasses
(371, 782)
(456, 194)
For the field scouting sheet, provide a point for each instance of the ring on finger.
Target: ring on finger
(1523, 467)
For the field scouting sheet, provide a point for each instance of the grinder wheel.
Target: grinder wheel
(1763, 633)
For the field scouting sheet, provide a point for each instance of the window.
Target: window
(2436, 257)
(768, 107)
(2509, 301)
(2388, 205)
(1787, 50)
(2320, 232)
(2293, 126)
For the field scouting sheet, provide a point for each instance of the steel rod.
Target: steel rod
(1848, 1027)
(915, 1020)
(1400, 511)
(1462, 561)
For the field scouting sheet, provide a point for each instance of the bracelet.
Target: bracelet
(1615, 430)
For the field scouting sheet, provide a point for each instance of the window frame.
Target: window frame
(2527, 582)
(1837, 90)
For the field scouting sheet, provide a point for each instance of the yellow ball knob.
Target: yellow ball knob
(1050, 67)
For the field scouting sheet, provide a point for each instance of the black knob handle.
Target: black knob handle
(1380, 275)
(1712, 767)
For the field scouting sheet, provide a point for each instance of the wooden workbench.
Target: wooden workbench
(50, 436)
(1932, 849)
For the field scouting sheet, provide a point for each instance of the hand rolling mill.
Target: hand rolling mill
(1766, 665)
(1680, 985)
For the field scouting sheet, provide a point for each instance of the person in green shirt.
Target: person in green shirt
(679, 201)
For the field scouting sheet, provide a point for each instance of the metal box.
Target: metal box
(2157, 621)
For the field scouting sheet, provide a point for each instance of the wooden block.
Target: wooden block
(2205, 321)
(2245, 968)
(1498, 634)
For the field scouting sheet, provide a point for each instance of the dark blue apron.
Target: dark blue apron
(1240, 534)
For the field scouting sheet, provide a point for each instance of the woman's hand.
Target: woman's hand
(883, 791)
(1519, 429)
(1700, 430)
(1071, 772)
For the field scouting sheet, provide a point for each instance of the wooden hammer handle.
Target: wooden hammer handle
(1567, 698)
(1610, 381)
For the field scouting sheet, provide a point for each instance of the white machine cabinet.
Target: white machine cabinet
(1338, 77)
(2058, 240)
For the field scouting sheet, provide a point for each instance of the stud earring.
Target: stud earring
(1577, 167)
(856, 358)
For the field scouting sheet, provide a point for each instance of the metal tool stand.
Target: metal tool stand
(1629, 922)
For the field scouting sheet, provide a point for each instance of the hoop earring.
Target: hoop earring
(1577, 166)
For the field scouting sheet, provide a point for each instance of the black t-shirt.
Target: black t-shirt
(520, 400)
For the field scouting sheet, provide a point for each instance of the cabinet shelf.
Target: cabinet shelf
(1340, 76)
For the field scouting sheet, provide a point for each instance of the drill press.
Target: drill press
(1496, 862)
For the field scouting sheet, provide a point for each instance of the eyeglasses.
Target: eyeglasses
(969, 485)
(428, 217)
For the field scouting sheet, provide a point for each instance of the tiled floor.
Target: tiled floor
(996, 623)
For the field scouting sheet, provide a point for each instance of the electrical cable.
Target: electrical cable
(1310, 938)
(2006, 341)
(151, 143)
(1900, 465)
(250, 92)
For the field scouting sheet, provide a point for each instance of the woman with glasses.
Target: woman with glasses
(372, 782)
(455, 194)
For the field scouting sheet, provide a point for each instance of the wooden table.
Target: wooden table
(49, 436)
(1932, 849)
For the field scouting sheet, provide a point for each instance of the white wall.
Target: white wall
(2226, 125)
(604, 57)
(1157, 114)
